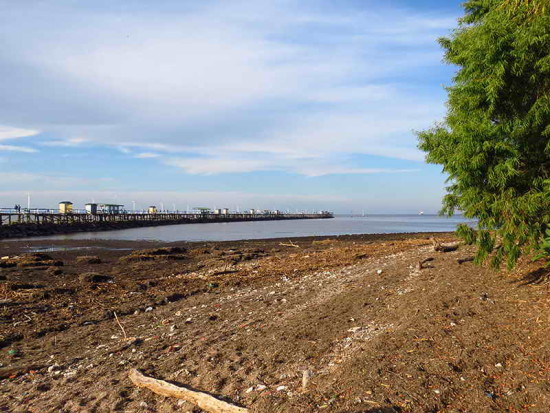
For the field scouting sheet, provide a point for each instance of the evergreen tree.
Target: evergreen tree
(494, 143)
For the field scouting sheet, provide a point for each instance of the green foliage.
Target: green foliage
(494, 143)
(544, 250)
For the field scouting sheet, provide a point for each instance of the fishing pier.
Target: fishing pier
(46, 222)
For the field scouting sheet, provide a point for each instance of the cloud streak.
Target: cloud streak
(8, 132)
(14, 148)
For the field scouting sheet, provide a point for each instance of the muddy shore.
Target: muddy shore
(375, 329)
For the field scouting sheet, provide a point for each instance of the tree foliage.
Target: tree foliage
(494, 143)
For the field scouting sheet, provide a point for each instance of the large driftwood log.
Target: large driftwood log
(439, 247)
(202, 400)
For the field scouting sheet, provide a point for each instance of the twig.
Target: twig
(202, 400)
(120, 325)
(289, 244)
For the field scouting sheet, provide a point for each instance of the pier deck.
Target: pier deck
(43, 223)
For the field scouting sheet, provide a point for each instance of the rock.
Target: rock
(379, 272)
(170, 253)
(40, 295)
(54, 271)
(54, 367)
(93, 277)
(36, 260)
(88, 259)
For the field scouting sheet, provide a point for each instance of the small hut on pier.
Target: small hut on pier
(112, 209)
(65, 207)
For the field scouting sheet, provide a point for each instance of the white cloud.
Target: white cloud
(50, 181)
(71, 142)
(342, 170)
(8, 132)
(14, 148)
(210, 166)
(146, 155)
(308, 166)
(225, 80)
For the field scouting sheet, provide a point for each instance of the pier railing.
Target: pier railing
(49, 218)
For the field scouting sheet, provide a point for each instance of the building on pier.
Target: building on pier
(65, 207)
(91, 208)
(111, 209)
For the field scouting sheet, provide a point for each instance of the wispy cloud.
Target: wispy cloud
(146, 155)
(308, 166)
(8, 132)
(225, 81)
(210, 166)
(70, 142)
(14, 148)
(35, 181)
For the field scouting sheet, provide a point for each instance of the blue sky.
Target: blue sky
(267, 104)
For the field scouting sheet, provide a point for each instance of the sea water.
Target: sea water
(230, 231)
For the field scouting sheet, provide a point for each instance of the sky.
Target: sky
(278, 104)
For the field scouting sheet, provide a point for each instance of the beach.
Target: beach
(344, 324)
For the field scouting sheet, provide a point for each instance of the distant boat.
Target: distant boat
(421, 213)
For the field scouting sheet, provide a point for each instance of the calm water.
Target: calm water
(230, 231)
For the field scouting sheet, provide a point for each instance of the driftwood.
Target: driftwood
(463, 260)
(439, 247)
(202, 400)
(421, 263)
